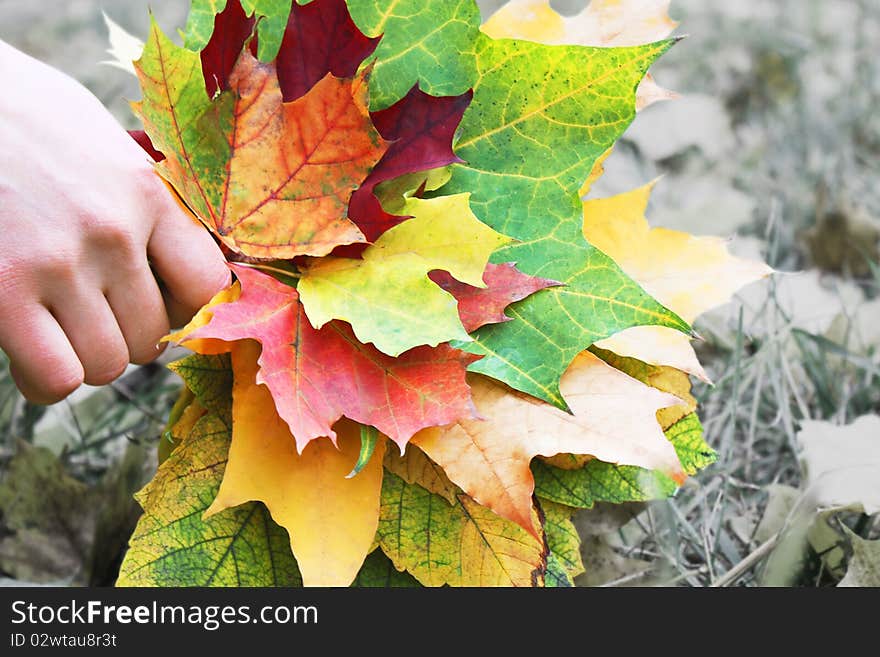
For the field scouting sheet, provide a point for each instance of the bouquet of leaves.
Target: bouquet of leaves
(434, 350)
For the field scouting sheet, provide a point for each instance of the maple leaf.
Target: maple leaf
(317, 376)
(463, 544)
(599, 481)
(387, 296)
(540, 118)
(424, 42)
(613, 419)
(688, 274)
(331, 519)
(270, 179)
(319, 38)
(419, 129)
(505, 284)
(173, 546)
(604, 23)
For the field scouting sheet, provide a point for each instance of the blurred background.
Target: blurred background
(774, 143)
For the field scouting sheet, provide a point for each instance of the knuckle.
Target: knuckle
(60, 265)
(113, 236)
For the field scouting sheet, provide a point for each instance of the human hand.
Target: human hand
(84, 223)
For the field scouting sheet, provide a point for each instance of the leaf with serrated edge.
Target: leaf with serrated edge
(317, 376)
(460, 545)
(173, 545)
(598, 481)
(270, 179)
(424, 42)
(687, 274)
(540, 118)
(387, 296)
(612, 419)
(331, 520)
(603, 23)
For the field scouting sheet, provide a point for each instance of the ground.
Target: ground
(774, 142)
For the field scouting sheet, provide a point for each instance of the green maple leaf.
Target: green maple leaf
(426, 42)
(173, 546)
(540, 118)
(598, 481)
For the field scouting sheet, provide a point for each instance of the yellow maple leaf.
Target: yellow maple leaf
(604, 23)
(613, 419)
(687, 274)
(331, 520)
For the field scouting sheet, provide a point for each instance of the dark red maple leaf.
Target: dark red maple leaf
(317, 376)
(320, 38)
(421, 128)
(143, 140)
(232, 29)
(505, 284)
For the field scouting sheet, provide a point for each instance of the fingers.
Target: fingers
(140, 313)
(45, 366)
(92, 329)
(189, 262)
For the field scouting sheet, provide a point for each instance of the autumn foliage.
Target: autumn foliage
(434, 350)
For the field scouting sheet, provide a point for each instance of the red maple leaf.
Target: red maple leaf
(480, 306)
(317, 376)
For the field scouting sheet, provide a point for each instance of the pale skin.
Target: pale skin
(97, 259)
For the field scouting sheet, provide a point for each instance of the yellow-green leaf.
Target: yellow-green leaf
(387, 296)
